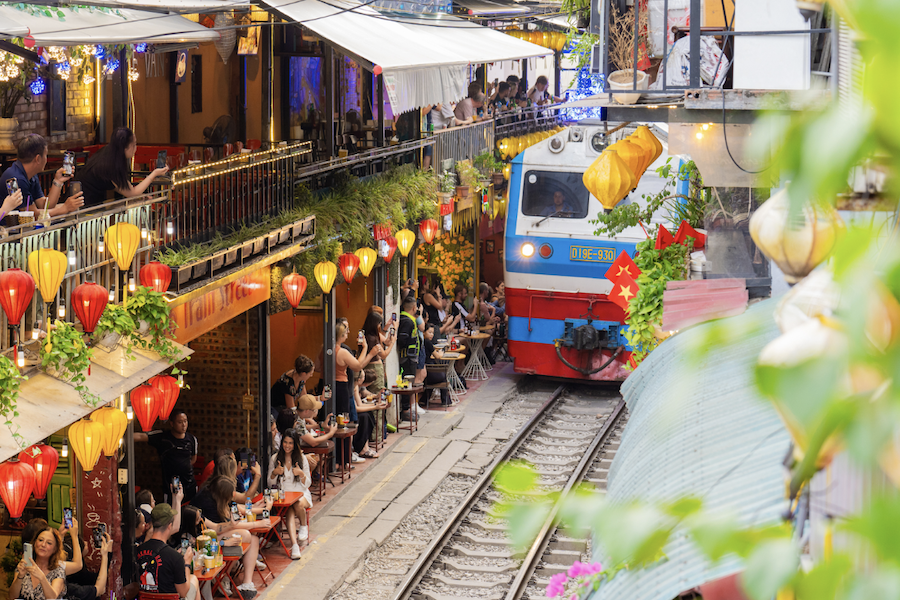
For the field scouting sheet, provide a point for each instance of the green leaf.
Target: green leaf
(515, 477)
(770, 567)
(880, 527)
(633, 534)
(684, 507)
(824, 581)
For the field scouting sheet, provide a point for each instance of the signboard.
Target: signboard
(199, 315)
(590, 254)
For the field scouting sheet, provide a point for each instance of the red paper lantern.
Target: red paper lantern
(429, 228)
(391, 241)
(168, 388)
(16, 485)
(16, 291)
(294, 287)
(348, 264)
(156, 276)
(44, 459)
(146, 402)
(88, 302)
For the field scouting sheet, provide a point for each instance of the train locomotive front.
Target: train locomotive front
(561, 321)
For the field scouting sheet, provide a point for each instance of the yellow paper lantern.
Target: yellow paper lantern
(122, 239)
(48, 267)
(609, 179)
(648, 148)
(367, 257)
(546, 39)
(507, 171)
(503, 148)
(86, 438)
(797, 241)
(114, 424)
(405, 241)
(522, 144)
(326, 273)
(644, 133)
(513, 148)
(632, 155)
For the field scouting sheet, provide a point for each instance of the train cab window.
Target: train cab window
(554, 194)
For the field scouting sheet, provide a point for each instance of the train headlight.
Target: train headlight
(527, 250)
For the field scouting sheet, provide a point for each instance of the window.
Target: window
(196, 83)
(554, 194)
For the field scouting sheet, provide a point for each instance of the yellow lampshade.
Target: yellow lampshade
(644, 133)
(648, 148)
(632, 155)
(326, 273)
(48, 267)
(114, 423)
(122, 239)
(406, 239)
(507, 171)
(86, 438)
(609, 179)
(367, 257)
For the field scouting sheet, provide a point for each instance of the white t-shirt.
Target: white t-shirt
(442, 118)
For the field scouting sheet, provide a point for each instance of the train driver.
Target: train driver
(559, 206)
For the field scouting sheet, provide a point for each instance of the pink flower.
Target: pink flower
(557, 585)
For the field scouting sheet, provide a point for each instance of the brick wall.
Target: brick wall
(217, 374)
(34, 117)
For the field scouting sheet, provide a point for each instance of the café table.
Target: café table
(279, 508)
(454, 383)
(227, 562)
(205, 575)
(321, 451)
(412, 392)
(489, 330)
(475, 368)
(266, 531)
(344, 433)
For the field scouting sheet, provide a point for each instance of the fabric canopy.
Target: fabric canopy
(424, 59)
(101, 26)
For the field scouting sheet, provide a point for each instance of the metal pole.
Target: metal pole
(265, 400)
(268, 115)
(328, 366)
(128, 533)
(696, 11)
(329, 101)
(379, 135)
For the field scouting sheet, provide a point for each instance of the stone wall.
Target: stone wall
(34, 117)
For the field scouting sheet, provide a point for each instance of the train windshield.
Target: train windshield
(555, 194)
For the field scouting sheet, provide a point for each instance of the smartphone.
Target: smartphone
(69, 163)
(185, 544)
(176, 483)
(97, 536)
(11, 186)
(67, 518)
(393, 317)
(28, 553)
(252, 460)
(161, 159)
(74, 187)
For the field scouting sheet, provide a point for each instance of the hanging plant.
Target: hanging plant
(65, 352)
(116, 321)
(658, 267)
(10, 379)
(149, 309)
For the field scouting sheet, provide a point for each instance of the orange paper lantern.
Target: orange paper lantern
(156, 276)
(429, 228)
(146, 402)
(44, 459)
(16, 483)
(168, 388)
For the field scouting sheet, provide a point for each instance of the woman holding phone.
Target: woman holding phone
(41, 576)
(110, 169)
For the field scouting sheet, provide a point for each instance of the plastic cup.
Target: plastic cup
(342, 153)
(209, 562)
(11, 219)
(26, 216)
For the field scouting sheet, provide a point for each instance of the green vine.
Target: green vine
(115, 319)
(581, 45)
(690, 208)
(10, 379)
(149, 306)
(658, 267)
(488, 164)
(469, 176)
(65, 352)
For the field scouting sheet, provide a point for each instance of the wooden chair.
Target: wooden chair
(208, 154)
(254, 145)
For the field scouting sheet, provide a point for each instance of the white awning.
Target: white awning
(100, 26)
(424, 59)
(47, 404)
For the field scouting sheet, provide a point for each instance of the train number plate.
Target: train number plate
(592, 254)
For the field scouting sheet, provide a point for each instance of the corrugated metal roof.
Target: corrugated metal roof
(698, 428)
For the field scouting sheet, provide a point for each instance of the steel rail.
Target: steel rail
(536, 551)
(442, 537)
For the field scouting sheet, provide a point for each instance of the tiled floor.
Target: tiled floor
(275, 556)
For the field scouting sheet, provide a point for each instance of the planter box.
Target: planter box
(231, 256)
(259, 245)
(284, 235)
(181, 275)
(246, 250)
(218, 261)
(200, 269)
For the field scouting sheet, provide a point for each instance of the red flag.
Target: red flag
(685, 231)
(623, 291)
(664, 239)
(623, 265)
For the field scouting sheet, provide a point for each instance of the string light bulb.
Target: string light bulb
(20, 359)
(62, 310)
(131, 286)
(65, 448)
(71, 255)
(101, 245)
(144, 233)
(129, 412)
(112, 295)
(170, 227)
(36, 331)
(180, 380)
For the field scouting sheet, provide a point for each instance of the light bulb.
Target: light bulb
(699, 135)
(62, 311)
(129, 413)
(180, 381)
(170, 227)
(705, 126)
(36, 331)
(71, 254)
(20, 359)
(144, 233)
(131, 286)
(100, 245)
(65, 448)
(112, 295)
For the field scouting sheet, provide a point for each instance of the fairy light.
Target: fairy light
(101, 245)
(62, 310)
(170, 227)
(20, 359)
(64, 70)
(144, 232)
(36, 330)
(131, 286)
(65, 448)
(180, 380)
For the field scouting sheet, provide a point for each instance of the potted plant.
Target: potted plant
(447, 187)
(11, 92)
(149, 309)
(621, 54)
(65, 356)
(115, 324)
(468, 179)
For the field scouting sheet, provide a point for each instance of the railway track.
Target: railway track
(570, 439)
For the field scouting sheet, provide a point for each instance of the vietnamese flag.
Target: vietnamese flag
(623, 265)
(685, 231)
(623, 291)
(664, 239)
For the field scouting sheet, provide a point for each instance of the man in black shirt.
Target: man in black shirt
(177, 450)
(32, 158)
(161, 568)
(291, 385)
